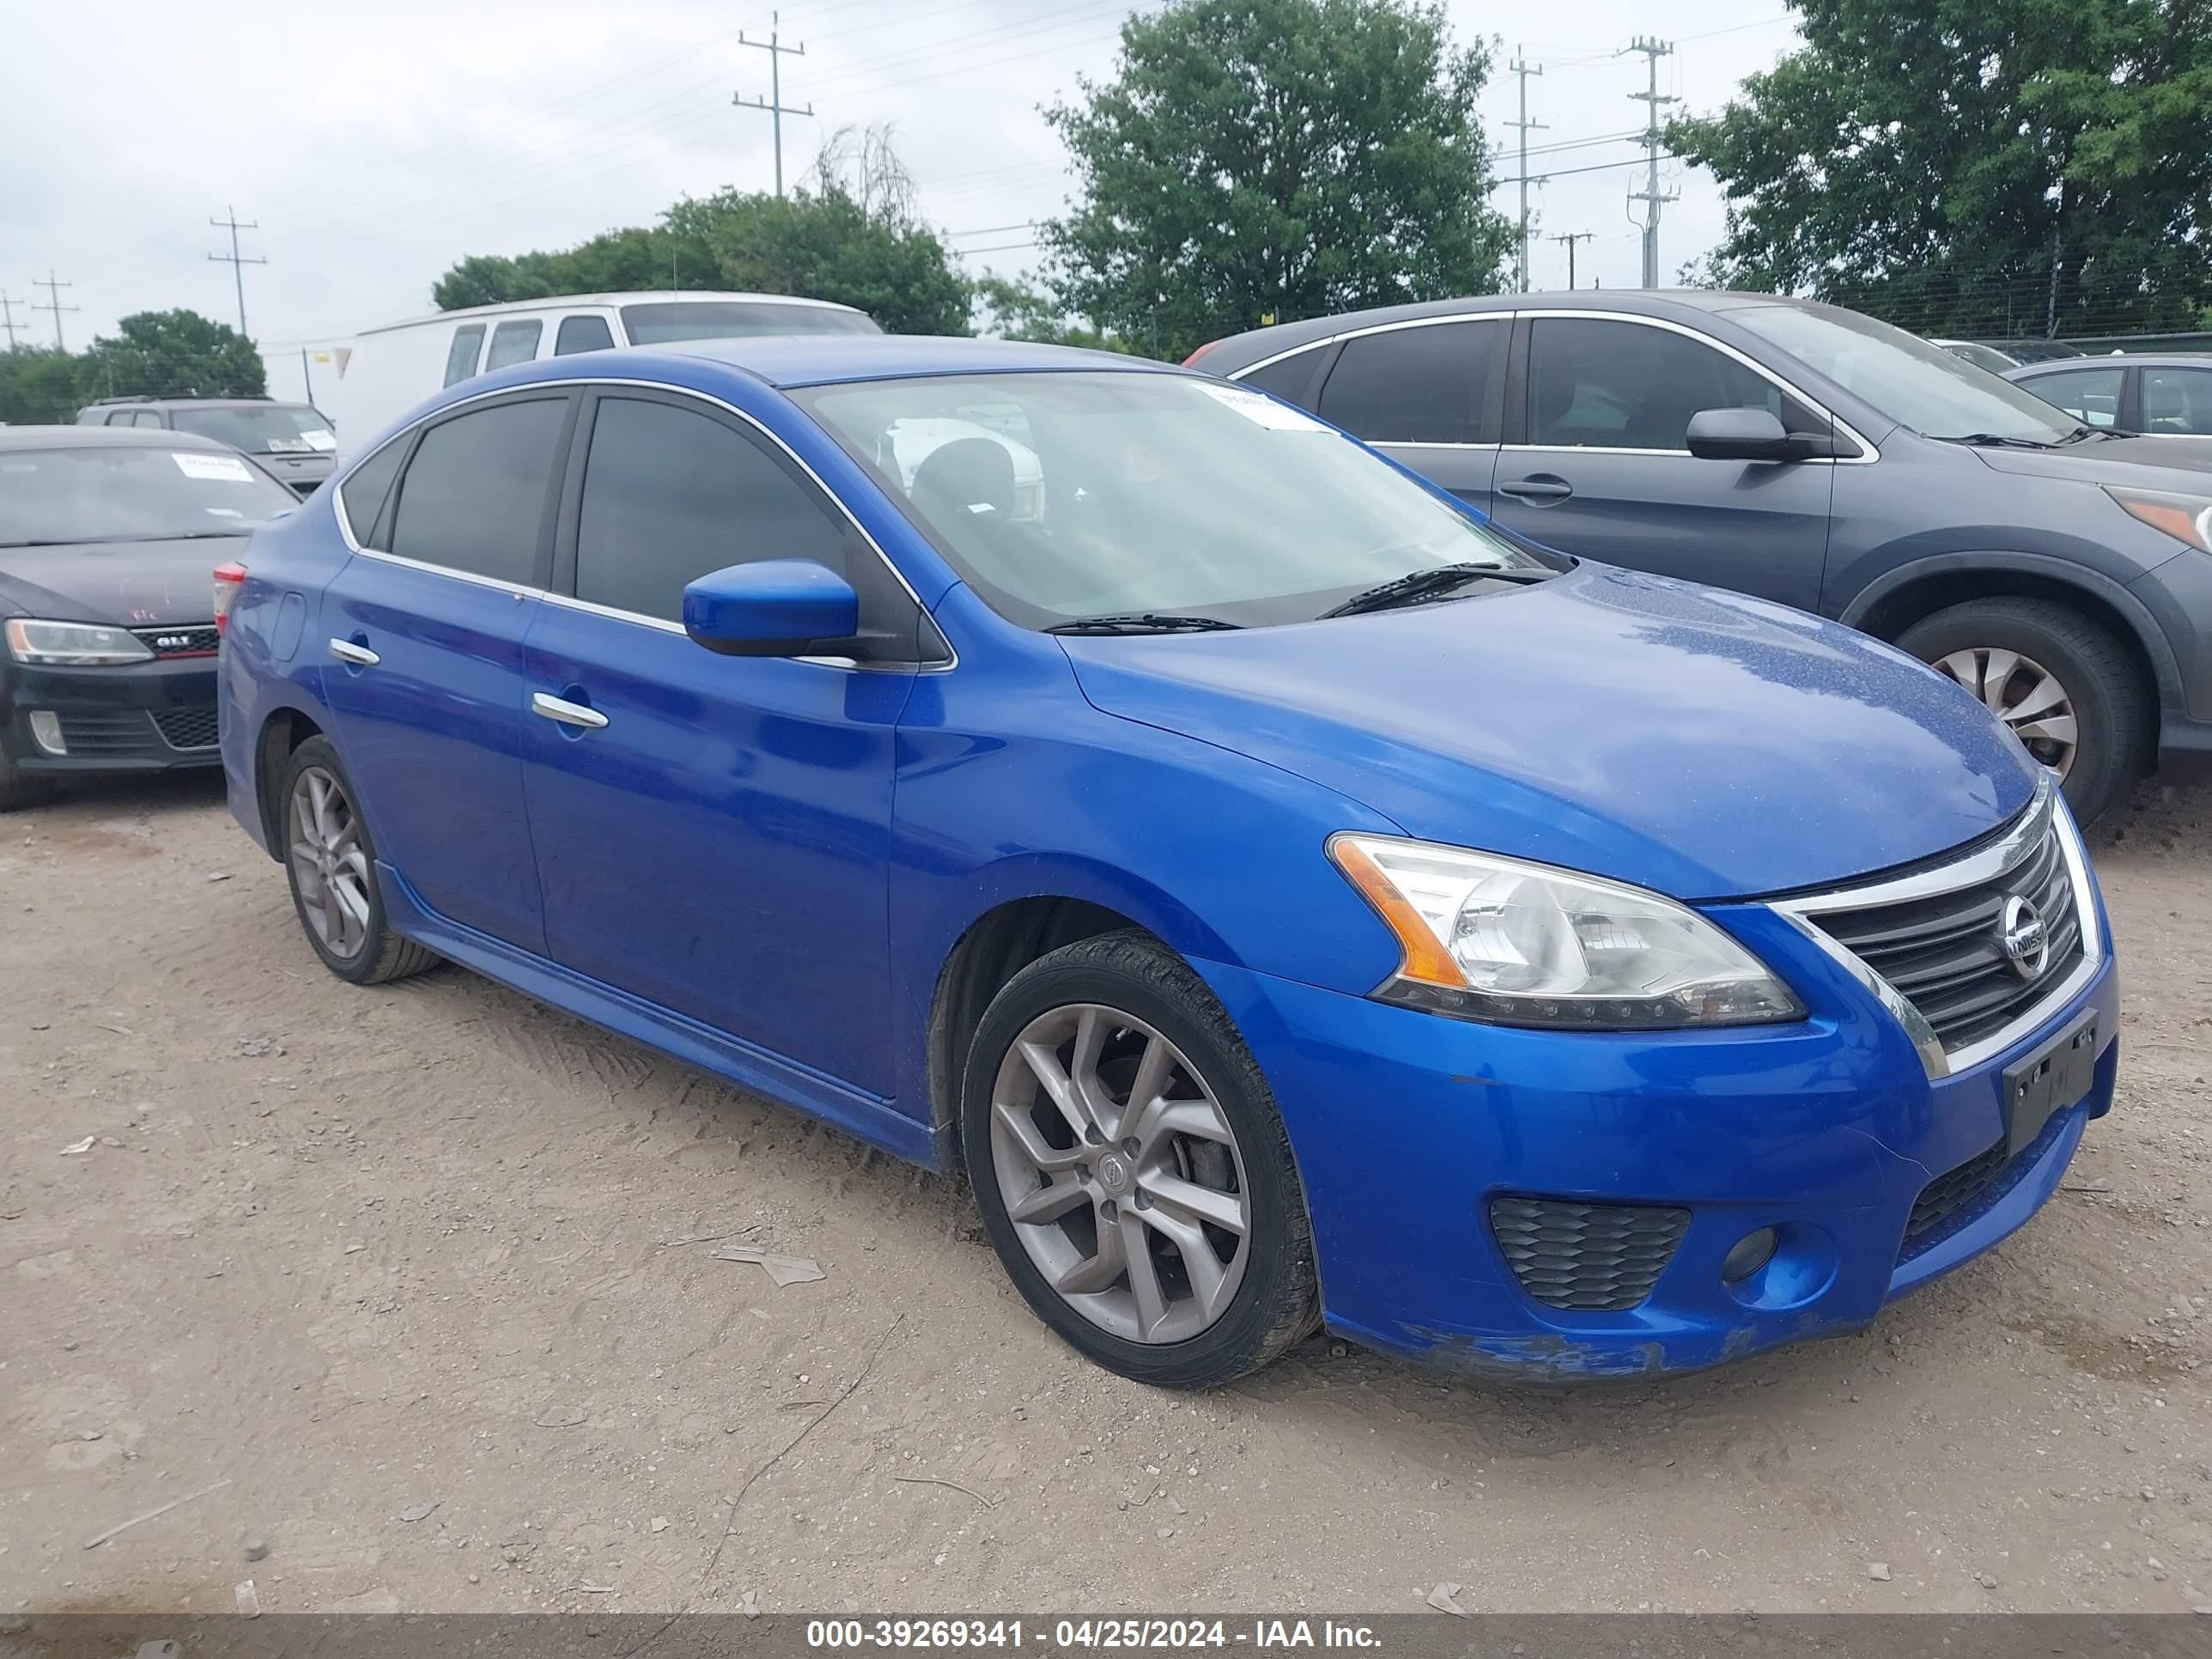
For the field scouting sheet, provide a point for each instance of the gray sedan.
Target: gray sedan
(2057, 570)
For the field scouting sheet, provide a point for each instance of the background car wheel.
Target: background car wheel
(331, 864)
(19, 789)
(2065, 686)
(1131, 1167)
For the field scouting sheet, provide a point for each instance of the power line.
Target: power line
(776, 108)
(1521, 69)
(1595, 166)
(1653, 50)
(237, 261)
(53, 303)
(1571, 238)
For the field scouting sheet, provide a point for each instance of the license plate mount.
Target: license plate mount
(2053, 1078)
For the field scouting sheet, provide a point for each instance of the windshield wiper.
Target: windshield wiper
(1416, 585)
(2081, 432)
(1997, 441)
(1142, 622)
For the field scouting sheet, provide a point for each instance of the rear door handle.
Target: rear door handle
(359, 655)
(569, 714)
(1543, 487)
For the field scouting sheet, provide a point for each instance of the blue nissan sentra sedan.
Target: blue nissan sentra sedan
(1288, 898)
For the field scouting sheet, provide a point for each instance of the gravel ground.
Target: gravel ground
(412, 1285)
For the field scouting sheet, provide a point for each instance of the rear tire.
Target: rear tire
(1172, 1245)
(2010, 653)
(331, 862)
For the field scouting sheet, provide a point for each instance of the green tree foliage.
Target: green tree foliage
(849, 233)
(154, 354)
(1269, 160)
(1928, 159)
(1016, 310)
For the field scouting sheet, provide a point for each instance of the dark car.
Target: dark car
(2163, 395)
(294, 442)
(1805, 454)
(106, 541)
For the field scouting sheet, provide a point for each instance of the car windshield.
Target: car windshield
(261, 429)
(665, 320)
(1151, 498)
(118, 492)
(1915, 384)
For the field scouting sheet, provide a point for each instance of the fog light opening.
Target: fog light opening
(1752, 1252)
(47, 731)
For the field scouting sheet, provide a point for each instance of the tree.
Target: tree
(1015, 310)
(1977, 167)
(172, 354)
(850, 233)
(1269, 160)
(40, 386)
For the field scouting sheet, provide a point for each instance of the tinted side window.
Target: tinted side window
(1421, 385)
(150, 418)
(473, 498)
(583, 334)
(2177, 400)
(512, 342)
(1624, 385)
(461, 356)
(365, 489)
(2091, 396)
(670, 494)
(1289, 378)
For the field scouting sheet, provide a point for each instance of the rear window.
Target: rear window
(514, 343)
(728, 319)
(582, 333)
(473, 497)
(461, 356)
(1422, 386)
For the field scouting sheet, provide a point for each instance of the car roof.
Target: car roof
(796, 360)
(119, 437)
(2114, 359)
(195, 403)
(567, 302)
(1238, 350)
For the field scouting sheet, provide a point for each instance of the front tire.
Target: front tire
(332, 865)
(1131, 1167)
(20, 789)
(2065, 686)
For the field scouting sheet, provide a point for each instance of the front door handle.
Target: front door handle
(1541, 487)
(359, 655)
(569, 714)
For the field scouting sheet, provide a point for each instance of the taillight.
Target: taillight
(1201, 352)
(229, 577)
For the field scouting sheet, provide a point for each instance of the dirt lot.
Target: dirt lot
(354, 1254)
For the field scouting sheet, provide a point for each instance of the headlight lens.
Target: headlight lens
(2184, 518)
(1514, 944)
(73, 645)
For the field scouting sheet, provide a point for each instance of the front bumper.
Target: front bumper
(1407, 1126)
(141, 717)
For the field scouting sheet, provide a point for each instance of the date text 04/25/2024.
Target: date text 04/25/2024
(1087, 1635)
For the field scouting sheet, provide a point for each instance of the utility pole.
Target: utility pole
(1571, 238)
(236, 261)
(7, 317)
(53, 303)
(1653, 50)
(777, 52)
(1524, 69)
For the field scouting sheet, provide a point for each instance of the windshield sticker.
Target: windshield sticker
(287, 446)
(323, 441)
(224, 512)
(1264, 411)
(215, 469)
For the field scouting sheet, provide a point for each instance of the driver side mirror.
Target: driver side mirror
(1743, 435)
(773, 608)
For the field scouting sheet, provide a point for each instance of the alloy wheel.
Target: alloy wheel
(1121, 1174)
(330, 867)
(2025, 695)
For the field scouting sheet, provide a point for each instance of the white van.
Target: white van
(392, 368)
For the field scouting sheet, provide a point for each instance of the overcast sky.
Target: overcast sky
(377, 144)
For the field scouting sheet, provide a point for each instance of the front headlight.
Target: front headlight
(1514, 944)
(2184, 518)
(73, 645)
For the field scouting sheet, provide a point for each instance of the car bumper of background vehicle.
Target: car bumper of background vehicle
(1409, 1128)
(145, 717)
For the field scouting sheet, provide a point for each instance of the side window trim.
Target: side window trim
(413, 439)
(1486, 413)
(561, 590)
(1324, 353)
(1525, 319)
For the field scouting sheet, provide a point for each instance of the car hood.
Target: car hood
(133, 583)
(2176, 463)
(1701, 742)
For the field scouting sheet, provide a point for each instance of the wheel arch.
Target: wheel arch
(283, 729)
(1892, 603)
